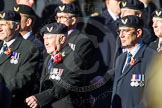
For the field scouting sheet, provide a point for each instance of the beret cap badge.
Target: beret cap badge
(124, 3)
(2, 15)
(49, 29)
(124, 21)
(62, 8)
(158, 13)
(16, 9)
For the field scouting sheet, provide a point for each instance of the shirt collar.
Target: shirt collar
(10, 42)
(135, 50)
(27, 34)
(112, 15)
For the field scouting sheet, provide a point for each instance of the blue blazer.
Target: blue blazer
(125, 95)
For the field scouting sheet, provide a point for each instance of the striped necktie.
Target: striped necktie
(4, 48)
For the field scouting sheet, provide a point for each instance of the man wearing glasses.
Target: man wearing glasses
(131, 66)
(79, 42)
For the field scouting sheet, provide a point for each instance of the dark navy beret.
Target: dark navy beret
(131, 21)
(24, 9)
(132, 4)
(68, 8)
(10, 15)
(54, 28)
(157, 13)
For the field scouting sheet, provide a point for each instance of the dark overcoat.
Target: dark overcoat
(19, 75)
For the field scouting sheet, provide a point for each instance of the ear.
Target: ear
(28, 22)
(17, 27)
(74, 20)
(139, 14)
(62, 39)
(139, 32)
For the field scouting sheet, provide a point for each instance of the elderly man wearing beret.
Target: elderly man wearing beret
(18, 58)
(61, 82)
(131, 66)
(157, 26)
(81, 43)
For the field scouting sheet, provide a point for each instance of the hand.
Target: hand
(32, 102)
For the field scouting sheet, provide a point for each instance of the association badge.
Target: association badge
(137, 80)
(55, 73)
(15, 58)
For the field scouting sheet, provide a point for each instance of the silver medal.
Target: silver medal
(15, 61)
(136, 84)
(132, 83)
(12, 61)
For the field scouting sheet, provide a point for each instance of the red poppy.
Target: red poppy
(58, 58)
(132, 62)
(8, 51)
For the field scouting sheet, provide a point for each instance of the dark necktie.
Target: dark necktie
(129, 55)
(3, 49)
(50, 64)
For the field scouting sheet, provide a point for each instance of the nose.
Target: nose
(58, 20)
(1, 29)
(121, 34)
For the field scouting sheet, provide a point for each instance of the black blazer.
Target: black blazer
(18, 77)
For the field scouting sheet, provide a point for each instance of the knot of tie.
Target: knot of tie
(4, 48)
(129, 55)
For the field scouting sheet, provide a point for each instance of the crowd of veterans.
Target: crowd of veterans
(75, 55)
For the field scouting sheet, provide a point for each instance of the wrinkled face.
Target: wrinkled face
(26, 2)
(127, 36)
(65, 18)
(51, 43)
(7, 30)
(157, 26)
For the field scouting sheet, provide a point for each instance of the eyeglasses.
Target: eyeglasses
(125, 31)
(62, 17)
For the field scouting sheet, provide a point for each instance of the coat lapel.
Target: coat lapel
(13, 47)
(154, 44)
(31, 37)
(121, 63)
(137, 57)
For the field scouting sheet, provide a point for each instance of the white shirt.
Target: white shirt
(112, 15)
(27, 34)
(8, 43)
(133, 52)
